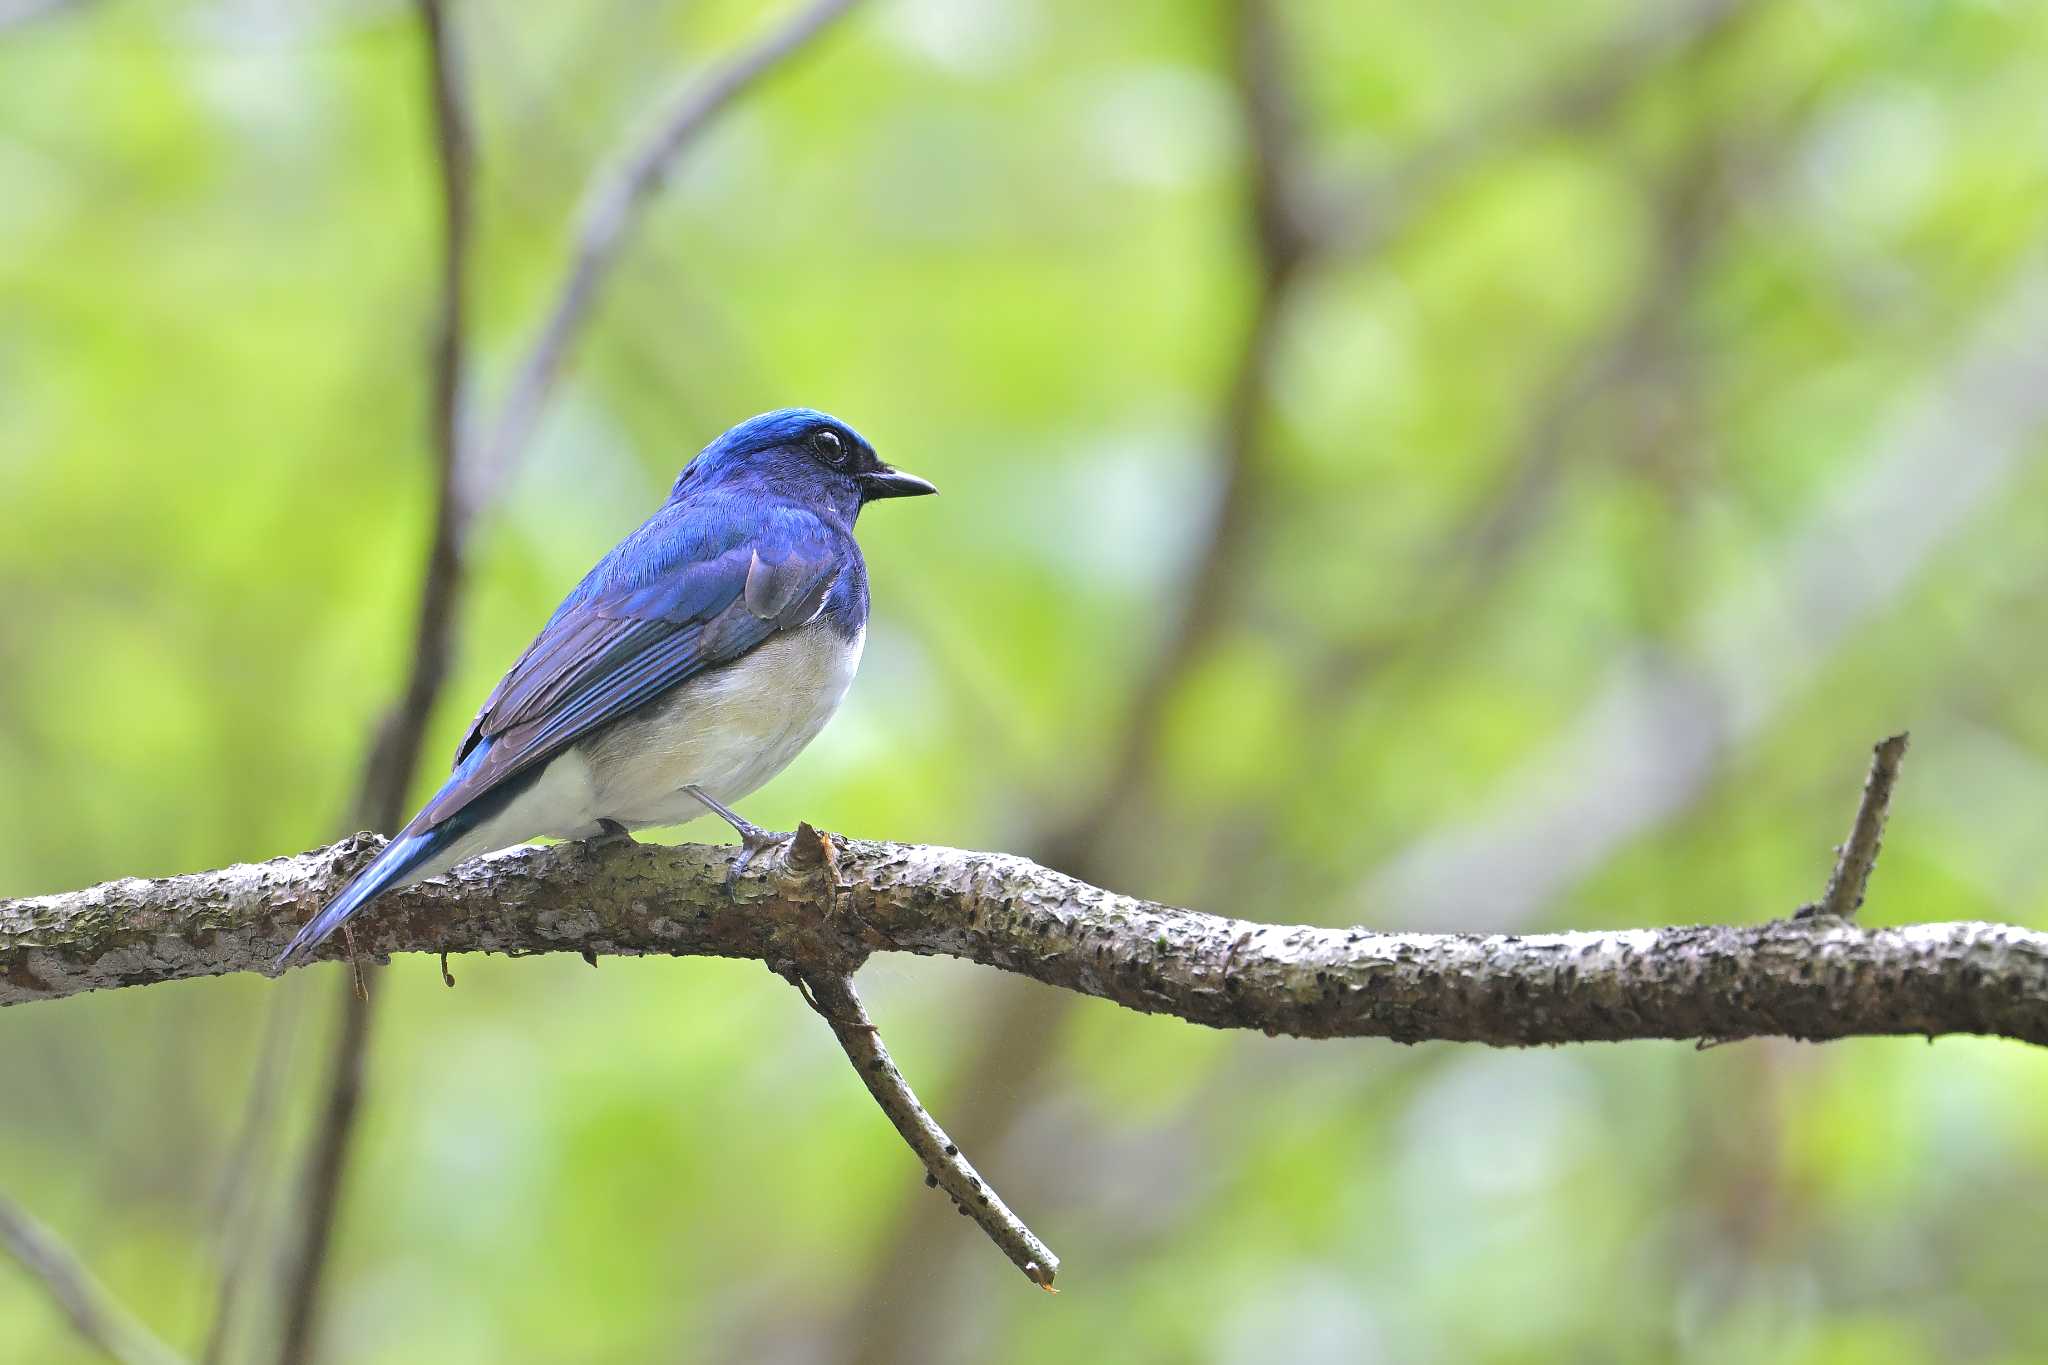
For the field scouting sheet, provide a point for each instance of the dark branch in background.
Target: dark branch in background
(1212, 590)
(97, 1318)
(1690, 208)
(1658, 728)
(1015, 1034)
(1364, 218)
(468, 482)
(1856, 858)
(325, 1169)
(1453, 586)
(395, 753)
(241, 1202)
(401, 735)
(1478, 553)
(612, 211)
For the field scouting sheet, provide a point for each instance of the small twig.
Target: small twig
(831, 994)
(613, 210)
(92, 1313)
(1857, 857)
(359, 986)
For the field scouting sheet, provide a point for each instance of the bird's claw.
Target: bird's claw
(610, 834)
(754, 841)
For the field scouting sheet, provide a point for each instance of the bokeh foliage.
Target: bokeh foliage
(1575, 420)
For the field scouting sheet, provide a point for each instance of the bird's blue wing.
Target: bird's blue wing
(699, 585)
(685, 593)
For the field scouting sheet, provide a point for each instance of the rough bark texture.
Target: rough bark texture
(1815, 978)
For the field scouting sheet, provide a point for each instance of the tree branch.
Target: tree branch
(395, 754)
(612, 210)
(95, 1316)
(828, 904)
(1812, 979)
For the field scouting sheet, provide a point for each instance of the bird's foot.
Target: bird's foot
(754, 840)
(609, 832)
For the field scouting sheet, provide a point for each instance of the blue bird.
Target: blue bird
(690, 666)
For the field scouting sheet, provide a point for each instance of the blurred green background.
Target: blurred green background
(1666, 421)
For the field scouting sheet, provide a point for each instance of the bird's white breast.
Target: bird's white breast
(727, 731)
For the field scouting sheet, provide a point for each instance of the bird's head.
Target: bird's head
(802, 454)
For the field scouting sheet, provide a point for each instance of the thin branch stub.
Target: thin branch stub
(832, 995)
(1857, 858)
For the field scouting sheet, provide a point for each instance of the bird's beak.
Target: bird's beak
(893, 483)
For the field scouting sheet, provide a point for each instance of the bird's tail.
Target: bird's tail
(402, 856)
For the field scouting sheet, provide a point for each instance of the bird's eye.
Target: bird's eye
(830, 448)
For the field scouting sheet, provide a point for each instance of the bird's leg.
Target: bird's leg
(609, 832)
(753, 839)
